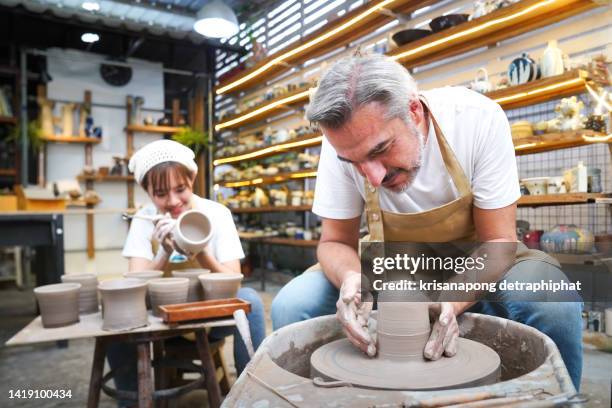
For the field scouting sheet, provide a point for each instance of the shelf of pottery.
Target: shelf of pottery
(264, 145)
(9, 155)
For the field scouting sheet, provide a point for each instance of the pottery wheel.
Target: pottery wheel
(474, 364)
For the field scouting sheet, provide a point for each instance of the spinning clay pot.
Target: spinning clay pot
(58, 303)
(220, 285)
(123, 303)
(167, 291)
(88, 294)
(196, 292)
(193, 231)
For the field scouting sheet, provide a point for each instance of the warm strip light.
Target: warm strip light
(304, 174)
(472, 30)
(524, 146)
(538, 90)
(597, 139)
(268, 150)
(263, 109)
(280, 59)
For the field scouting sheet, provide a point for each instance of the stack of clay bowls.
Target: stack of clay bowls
(88, 294)
(58, 303)
(220, 285)
(196, 292)
(145, 276)
(167, 291)
(123, 304)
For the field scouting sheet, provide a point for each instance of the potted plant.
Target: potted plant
(34, 135)
(196, 140)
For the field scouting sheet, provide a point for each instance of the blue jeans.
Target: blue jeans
(122, 356)
(312, 294)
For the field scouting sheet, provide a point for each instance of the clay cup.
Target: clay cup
(196, 292)
(167, 291)
(88, 294)
(193, 231)
(220, 285)
(123, 302)
(58, 303)
(145, 276)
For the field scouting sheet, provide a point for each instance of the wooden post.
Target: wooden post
(208, 368)
(145, 382)
(129, 151)
(41, 93)
(89, 185)
(176, 111)
(97, 370)
(198, 124)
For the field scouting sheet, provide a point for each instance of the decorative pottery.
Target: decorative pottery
(521, 130)
(46, 116)
(196, 292)
(536, 185)
(481, 83)
(406, 36)
(556, 185)
(123, 302)
(447, 21)
(552, 60)
(145, 276)
(523, 70)
(220, 285)
(193, 231)
(532, 239)
(58, 303)
(567, 239)
(167, 291)
(88, 294)
(593, 180)
(68, 119)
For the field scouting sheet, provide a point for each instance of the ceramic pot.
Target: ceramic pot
(481, 83)
(58, 303)
(220, 285)
(536, 185)
(193, 231)
(123, 302)
(167, 291)
(523, 70)
(88, 294)
(68, 119)
(552, 60)
(145, 276)
(196, 292)
(532, 239)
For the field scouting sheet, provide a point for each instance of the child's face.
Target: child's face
(176, 199)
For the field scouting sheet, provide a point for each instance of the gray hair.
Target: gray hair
(356, 81)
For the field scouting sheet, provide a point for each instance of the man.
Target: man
(442, 167)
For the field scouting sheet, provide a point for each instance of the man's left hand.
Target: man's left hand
(445, 331)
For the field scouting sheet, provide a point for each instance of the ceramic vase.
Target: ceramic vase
(552, 60)
(46, 117)
(523, 70)
(167, 291)
(68, 119)
(193, 231)
(58, 303)
(481, 83)
(88, 294)
(145, 276)
(220, 285)
(123, 302)
(196, 292)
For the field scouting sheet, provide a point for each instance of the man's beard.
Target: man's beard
(412, 173)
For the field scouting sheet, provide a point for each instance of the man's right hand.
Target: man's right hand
(353, 313)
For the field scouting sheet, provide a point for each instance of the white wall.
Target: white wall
(73, 72)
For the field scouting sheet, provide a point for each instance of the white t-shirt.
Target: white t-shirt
(477, 131)
(224, 244)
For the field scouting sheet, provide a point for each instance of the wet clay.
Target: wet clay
(402, 330)
(58, 304)
(123, 302)
(220, 285)
(193, 231)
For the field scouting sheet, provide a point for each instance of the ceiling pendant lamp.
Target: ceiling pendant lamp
(216, 20)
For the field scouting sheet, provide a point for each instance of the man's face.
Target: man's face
(386, 152)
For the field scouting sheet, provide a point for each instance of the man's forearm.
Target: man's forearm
(338, 260)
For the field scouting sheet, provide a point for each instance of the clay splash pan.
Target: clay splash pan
(207, 309)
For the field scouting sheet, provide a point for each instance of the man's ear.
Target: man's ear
(416, 112)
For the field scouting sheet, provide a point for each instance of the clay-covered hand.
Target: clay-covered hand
(353, 313)
(163, 233)
(444, 333)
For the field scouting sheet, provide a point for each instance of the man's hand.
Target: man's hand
(445, 331)
(163, 233)
(353, 314)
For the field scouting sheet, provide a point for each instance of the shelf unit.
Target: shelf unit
(266, 209)
(279, 178)
(153, 129)
(71, 139)
(8, 172)
(106, 178)
(559, 199)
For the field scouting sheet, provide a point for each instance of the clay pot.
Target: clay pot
(220, 285)
(167, 291)
(58, 303)
(145, 276)
(193, 231)
(88, 294)
(196, 292)
(123, 302)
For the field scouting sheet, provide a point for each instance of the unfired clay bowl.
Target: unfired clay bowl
(88, 294)
(145, 276)
(193, 231)
(123, 302)
(220, 285)
(167, 291)
(58, 303)
(196, 292)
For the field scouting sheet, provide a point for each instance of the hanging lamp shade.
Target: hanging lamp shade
(216, 20)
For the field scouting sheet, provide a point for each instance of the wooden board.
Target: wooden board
(8, 119)
(292, 242)
(558, 199)
(153, 129)
(207, 309)
(70, 139)
(99, 178)
(279, 178)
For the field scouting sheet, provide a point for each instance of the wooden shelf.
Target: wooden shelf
(71, 139)
(274, 106)
(559, 199)
(82, 202)
(99, 178)
(278, 148)
(555, 141)
(8, 172)
(153, 129)
(279, 178)
(11, 120)
(502, 24)
(272, 209)
(351, 26)
(542, 90)
(312, 243)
